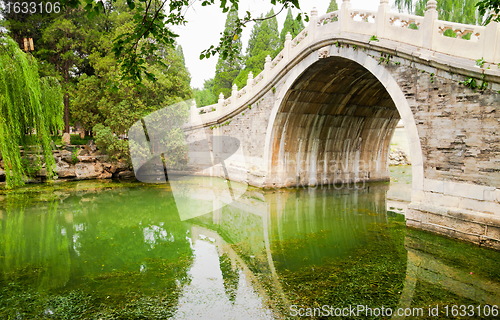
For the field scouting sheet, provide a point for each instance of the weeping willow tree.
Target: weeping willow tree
(462, 11)
(30, 108)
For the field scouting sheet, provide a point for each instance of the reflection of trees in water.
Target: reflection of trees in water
(119, 246)
(230, 276)
(325, 246)
(30, 243)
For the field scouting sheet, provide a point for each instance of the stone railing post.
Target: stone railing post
(234, 93)
(313, 24)
(430, 17)
(491, 42)
(344, 18)
(250, 81)
(194, 111)
(221, 99)
(267, 66)
(287, 46)
(383, 8)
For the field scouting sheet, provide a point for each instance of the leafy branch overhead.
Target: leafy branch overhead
(152, 20)
(490, 9)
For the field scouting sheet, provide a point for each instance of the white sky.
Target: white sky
(206, 23)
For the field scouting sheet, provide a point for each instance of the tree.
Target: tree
(227, 68)
(62, 44)
(205, 96)
(152, 18)
(22, 25)
(104, 97)
(30, 109)
(291, 25)
(264, 40)
(462, 11)
(489, 9)
(333, 6)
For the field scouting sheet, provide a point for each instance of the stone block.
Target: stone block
(66, 156)
(85, 170)
(462, 225)
(434, 185)
(492, 195)
(440, 199)
(490, 243)
(66, 139)
(493, 232)
(466, 190)
(66, 172)
(479, 206)
(127, 174)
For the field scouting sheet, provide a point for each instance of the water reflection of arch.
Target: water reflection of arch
(424, 265)
(237, 261)
(278, 214)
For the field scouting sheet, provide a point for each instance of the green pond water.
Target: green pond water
(115, 250)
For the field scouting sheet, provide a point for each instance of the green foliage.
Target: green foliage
(64, 43)
(333, 6)
(21, 25)
(171, 142)
(264, 41)
(489, 9)
(291, 25)
(109, 143)
(227, 68)
(151, 19)
(374, 38)
(226, 47)
(76, 140)
(104, 97)
(469, 82)
(29, 108)
(480, 62)
(472, 83)
(52, 100)
(74, 156)
(204, 97)
(462, 11)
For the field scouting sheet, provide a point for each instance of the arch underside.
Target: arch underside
(334, 126)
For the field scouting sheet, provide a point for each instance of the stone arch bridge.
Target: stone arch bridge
(324, 110)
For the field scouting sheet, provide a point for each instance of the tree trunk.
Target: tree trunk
(66, 112)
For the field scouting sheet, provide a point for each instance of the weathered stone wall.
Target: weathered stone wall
(457, 125)
(458, 128)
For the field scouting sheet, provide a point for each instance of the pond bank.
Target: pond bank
(77, 162)
(86, 162)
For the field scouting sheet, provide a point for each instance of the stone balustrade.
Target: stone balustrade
(427, 33)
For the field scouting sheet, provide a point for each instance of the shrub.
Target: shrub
(110, 144)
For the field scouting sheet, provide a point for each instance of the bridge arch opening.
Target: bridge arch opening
(334, 121)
